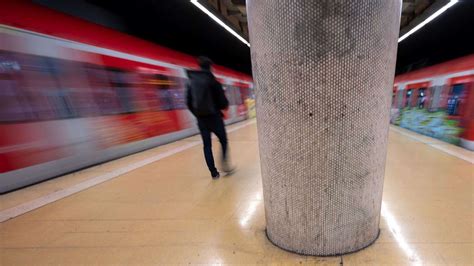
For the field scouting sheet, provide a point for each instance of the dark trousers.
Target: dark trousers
(214, 124)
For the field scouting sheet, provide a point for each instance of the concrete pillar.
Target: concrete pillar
(324, 73)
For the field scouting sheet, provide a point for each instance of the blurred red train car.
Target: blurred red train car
(74, 94)
(438, 101)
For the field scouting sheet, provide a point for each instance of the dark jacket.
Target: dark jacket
(204, 94)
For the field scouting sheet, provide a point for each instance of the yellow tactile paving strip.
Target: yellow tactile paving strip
(171, 212)
(445, 147)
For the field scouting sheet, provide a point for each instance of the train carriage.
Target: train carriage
(438, 101)
(72, 98)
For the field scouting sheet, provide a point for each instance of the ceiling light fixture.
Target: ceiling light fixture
(430, 18)
(220, 22)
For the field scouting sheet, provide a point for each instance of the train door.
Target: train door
(460, 106)
(455, 99)
(417, 95)
(458, 92)
(408, 97)
(422, 97)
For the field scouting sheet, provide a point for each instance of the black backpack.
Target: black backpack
(201, 86)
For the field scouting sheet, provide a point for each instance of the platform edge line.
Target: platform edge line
(23, 208)
(434, 145)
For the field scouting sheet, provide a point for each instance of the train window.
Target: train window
(228, 90)
(235, 95)
(456, 96)
(36, 90)
(105, 97)
(251, 93)
(58, 96)
(421, 98)
(244, 94)
(408, 98)
(163, 93)
(72, 77)
(142, 98)
(170, 92)
(149, 96)
(166, 102)
(13, 103)
(119, 81)
(178, 93)
(238, 96)
(60, 103)
(146, 99)
(38, 82)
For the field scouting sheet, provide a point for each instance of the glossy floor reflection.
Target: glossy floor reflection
(171, 212)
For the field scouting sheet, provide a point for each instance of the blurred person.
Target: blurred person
(421, 101)
(206, 99)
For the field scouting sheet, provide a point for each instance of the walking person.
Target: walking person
(205, 98)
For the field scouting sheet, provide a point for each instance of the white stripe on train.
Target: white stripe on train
(104, 51)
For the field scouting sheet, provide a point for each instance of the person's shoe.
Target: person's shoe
(215, 175)
(227, 168)
(230, 171)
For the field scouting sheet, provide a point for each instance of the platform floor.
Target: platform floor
(171, 212)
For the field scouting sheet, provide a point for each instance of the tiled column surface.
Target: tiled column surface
(324, 73)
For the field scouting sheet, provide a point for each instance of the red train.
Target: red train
(438, 101)
(74, 94)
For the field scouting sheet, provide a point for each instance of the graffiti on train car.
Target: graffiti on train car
(442, 108)
(436, 124)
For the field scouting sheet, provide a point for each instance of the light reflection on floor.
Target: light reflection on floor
(171, 212)
(396, 231)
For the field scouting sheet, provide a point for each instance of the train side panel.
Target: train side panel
(65, 106)
(438, 102)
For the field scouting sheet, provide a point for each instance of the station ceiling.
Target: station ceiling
(233, 12)
(182, 26)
